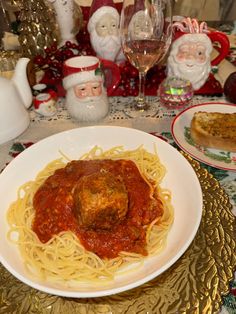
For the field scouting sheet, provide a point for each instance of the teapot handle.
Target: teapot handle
(112, 75)
(223, 40)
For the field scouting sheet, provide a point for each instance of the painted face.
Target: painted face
(190, 51)
(107, 25)
(47, 109)
(191, 64)
(88, 89)
(87, 108)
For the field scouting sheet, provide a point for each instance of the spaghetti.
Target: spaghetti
(63, 258)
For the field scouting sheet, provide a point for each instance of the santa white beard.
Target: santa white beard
(108, 47)
(87, 109)
(196, 73)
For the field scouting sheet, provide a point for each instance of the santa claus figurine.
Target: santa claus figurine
(190, 54)
(103, 27)
(45, 104)
(86, 96)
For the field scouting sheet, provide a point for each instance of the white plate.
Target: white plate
(180, 179)
(212, 157)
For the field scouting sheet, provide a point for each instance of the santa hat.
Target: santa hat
(187, 27)
(98, 9)
(41, 98)
(74, 75)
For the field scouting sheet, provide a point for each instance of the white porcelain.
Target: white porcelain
(64, 15)
(86, 95)
(45, 104)
(15, 98)
(190, 55)
(186, 200)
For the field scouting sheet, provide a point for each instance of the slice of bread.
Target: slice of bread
(214, 130)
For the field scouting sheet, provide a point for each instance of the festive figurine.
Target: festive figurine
(86, 96)
(190, 54)
(37, 27)
(103, 27)
(45, 104)
(68, 17)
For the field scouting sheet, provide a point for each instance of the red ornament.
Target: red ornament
(230, 88)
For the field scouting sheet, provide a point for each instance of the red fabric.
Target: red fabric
(210, 88)
(97, 4)
(139, 6)
(86, 10)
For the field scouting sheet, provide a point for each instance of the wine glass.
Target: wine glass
(146, 32)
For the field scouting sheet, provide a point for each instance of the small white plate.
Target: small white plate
(180, 178)
(181, 134)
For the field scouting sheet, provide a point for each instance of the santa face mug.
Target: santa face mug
(190, 54)
(88, 82)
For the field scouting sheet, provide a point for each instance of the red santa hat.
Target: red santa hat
(98, 9)
(184, 29)
(81, 69)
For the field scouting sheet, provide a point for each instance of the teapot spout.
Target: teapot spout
(21, 82)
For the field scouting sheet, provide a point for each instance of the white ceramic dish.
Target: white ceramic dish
(180, 179)
(213, 157)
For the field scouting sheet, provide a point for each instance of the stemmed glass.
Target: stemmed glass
(146, 31)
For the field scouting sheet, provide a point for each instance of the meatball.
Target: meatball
(101, 200)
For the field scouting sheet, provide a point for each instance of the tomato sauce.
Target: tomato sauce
(54, 208)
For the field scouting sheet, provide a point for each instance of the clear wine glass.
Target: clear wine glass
(146, 31)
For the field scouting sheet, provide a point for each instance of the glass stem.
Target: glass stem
(141, 96)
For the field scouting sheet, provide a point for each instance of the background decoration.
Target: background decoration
(51, 63)
(103, 27)
(4, 22)
(69, 19)
(37, 29)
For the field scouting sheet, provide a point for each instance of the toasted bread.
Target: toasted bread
(214, 130)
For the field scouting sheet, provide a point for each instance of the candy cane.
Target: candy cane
(195, 26)
(188, 25)
(203, 27)
(179, 26)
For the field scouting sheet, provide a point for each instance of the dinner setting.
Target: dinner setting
(118, 156)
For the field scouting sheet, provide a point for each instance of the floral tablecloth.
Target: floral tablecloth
(41, 127)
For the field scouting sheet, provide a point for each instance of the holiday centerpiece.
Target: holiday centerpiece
(55, 56)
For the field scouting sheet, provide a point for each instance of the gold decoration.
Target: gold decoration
(194, 284)
(37, 27)
(8, 60)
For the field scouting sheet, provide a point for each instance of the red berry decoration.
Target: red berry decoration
(52, 63)
(134, 72)
(230, 88)
(39, 60)
(55, 56)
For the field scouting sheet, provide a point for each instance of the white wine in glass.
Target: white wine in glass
(146, 32)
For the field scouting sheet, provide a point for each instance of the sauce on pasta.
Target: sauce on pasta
(54, 203)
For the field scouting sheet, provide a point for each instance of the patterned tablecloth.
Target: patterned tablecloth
(41, 127)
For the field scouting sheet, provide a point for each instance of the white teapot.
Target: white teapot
(15, 98)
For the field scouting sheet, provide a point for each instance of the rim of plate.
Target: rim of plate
(99, 293)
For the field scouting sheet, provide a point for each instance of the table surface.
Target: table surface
(41, 127)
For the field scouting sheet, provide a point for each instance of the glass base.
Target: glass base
(135, 110)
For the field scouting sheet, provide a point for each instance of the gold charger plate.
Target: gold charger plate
(194, 284)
